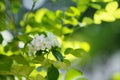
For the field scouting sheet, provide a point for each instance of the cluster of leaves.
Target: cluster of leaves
(14, 60)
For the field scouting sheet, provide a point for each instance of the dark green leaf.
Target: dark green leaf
(57, 55)
(1, 38)
(5, 62)
(39, 53)
(52, 73)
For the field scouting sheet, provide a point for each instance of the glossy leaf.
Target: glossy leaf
(1, 38)
(57, 54)
(52, 73)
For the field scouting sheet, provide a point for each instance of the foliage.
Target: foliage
(46, 64)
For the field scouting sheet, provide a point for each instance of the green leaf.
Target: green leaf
(2, 7)
(38, 59)
(22, 70)
(38, 53)
(73, 11)
(5, 63)
(72, 74)
(68, 50)
(57, 54)
(18, 71)
(81, 79)
(112, 6)
(79, 52)
(87, 21)
(116, 14)
(52, 73)
(96, 6)
(15, 5)
(24, 37)
(20, 59)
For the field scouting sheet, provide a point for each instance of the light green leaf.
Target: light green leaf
(81, 79)
(72, 74)
(2, 7)
(111, 6)
(87, 21)
(73, 11)
(39, 77)
(116, 14)
(96, 6)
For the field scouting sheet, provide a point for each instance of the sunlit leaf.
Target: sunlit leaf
(81, 79)
(72, 21)
(96, 6)
(39, 15)
(39, 77)
(66, 30)
(117, 13)
(116, 76)
(2, 7)
(72, 74)
(82, 4)
(52, 73)
(73, 11)
(87, 21)
(111, 6)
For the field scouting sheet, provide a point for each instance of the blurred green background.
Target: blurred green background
(93, 26)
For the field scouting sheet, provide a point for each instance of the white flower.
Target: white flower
(42, 42)
(53, 39)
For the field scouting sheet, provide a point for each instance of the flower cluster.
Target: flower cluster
(42, 42)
